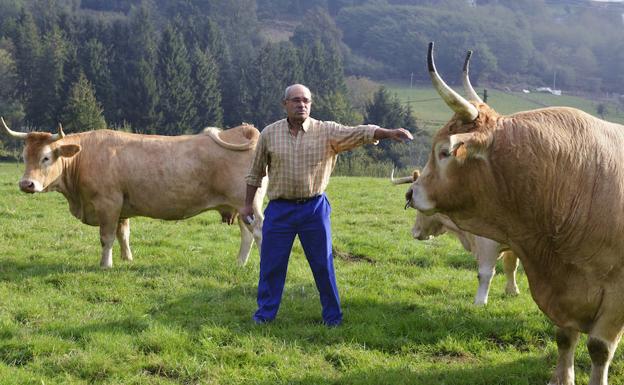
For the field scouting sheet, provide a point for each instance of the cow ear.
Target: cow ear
(67, 150)
(415, 175)
(466, 145)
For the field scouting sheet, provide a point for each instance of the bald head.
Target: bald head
(297, 102)
(296, 88)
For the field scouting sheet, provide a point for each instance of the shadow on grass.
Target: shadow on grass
(403, 327)
(530, 370)
(18, 269)
(389, 326)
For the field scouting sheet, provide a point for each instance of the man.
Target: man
(300, 153)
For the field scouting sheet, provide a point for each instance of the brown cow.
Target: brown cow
(486, 251)
(109, 176)
(550, 184)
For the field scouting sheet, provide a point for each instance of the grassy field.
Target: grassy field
(432, 112)
(181, 312)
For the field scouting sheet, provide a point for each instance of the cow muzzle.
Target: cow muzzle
(417, 198)
(421, 234)
(418, 235)
(29, 186)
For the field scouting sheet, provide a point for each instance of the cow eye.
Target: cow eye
(45, 159)
(444, 153)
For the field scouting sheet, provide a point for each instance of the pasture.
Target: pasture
(432, 113)
(181, 312)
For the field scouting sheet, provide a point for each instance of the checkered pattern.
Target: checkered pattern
(300, 167)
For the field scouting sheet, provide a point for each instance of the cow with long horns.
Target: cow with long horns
(550, 184)
(110, 176)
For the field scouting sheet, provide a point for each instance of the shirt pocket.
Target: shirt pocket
(313, 154)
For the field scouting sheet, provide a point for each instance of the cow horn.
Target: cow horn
(405, 179)
(21, 135)
(472, 94)
(60, 134)
(466, 111)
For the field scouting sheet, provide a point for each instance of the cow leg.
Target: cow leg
(107, 238)
(486, 252)
(257, 226)
(108, 217)
(123, 237)
(567, 339)
(510, 266)
(246, 242)
(258, 214)
(253, 231)
(601, 344)
(486, 273)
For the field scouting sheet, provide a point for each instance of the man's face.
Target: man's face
(298, 104)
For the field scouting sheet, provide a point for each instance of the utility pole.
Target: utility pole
(554, 80)
(485, 95)
(411, 79)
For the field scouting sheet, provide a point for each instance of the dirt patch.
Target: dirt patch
(346, 256)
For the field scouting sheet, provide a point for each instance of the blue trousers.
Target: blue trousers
(311, 222)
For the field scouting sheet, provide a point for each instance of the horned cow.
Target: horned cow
(550, 184)
(110, 176)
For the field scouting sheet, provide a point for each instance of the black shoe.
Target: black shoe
(332, 324)
(261, 321)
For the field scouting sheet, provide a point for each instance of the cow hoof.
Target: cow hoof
(106, 266)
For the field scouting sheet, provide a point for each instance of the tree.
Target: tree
(202, 31)
(206, 95)
(96, 65)
(10, 104)
(318, 26)
(45, 105)
(176, 92)
(360, 91)
(320, 73)
(83, 112)
(263, 82)
(336, 106)
(139, 58)
(324, 76)
(27, 50)
(386, 110)
(601, 110)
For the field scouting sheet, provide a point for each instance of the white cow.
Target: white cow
(486, 251)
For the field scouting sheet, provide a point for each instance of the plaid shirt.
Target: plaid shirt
(300, 166)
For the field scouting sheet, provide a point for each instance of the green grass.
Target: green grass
(432, 112)
(181, 312)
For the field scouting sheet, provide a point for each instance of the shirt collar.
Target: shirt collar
(305, 125)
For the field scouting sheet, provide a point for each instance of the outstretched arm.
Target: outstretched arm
(398, 134)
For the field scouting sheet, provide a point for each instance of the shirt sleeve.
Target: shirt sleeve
(259, 164)
(345, 138)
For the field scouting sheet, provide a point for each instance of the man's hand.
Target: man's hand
(398, 134)
(401, 135)
(247, 214)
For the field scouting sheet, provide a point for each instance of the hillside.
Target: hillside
(431, 112)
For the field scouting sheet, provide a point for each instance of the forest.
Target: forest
(173, 67)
